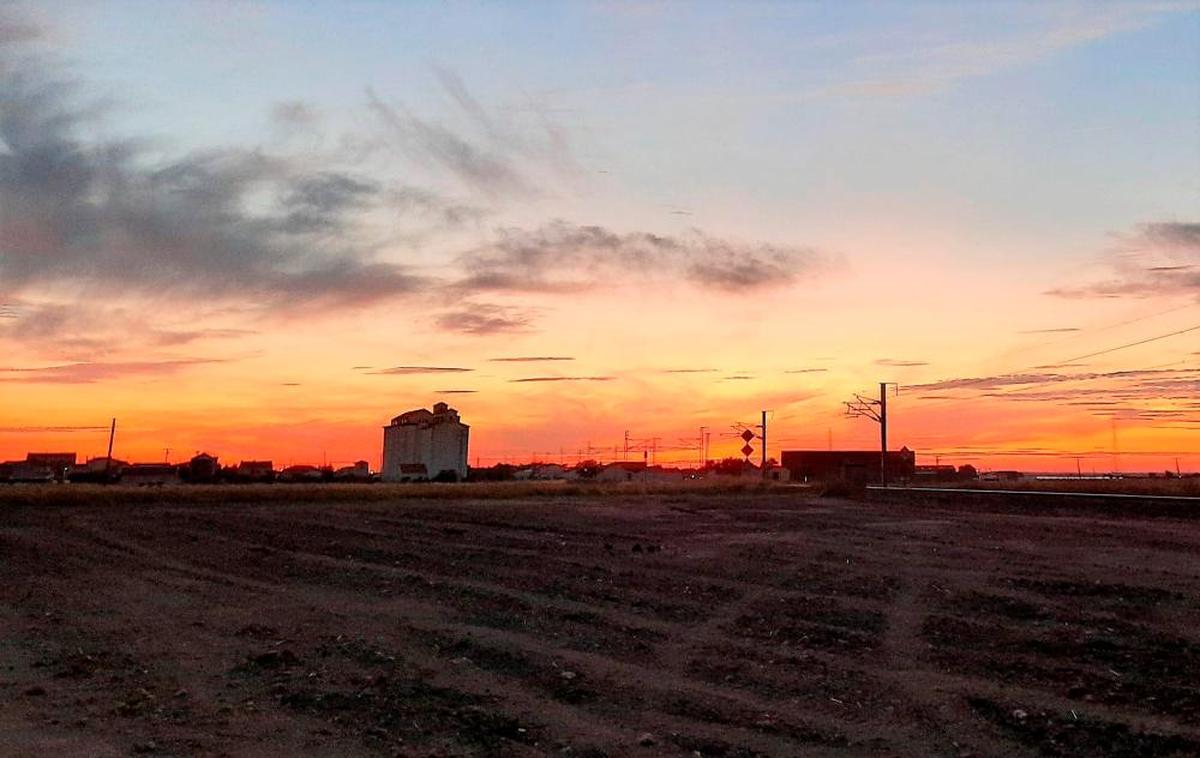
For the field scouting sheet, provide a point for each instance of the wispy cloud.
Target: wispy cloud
(689, 370)
(487, 155)
(918, 65)
(404, 370)
(1147, 378)
(565, 257)
(87, 373)
(84, 331)
(1058, 330)
(532, 359)
(484, 319)
(457, 392)
(294, 114)
(175, 337)
(894, 363)
(806, 371)
(50, 429)
(436, 145)
(539, 143)
(1144, 395)
(444, 213)
(564, 379)
(1049, 366)
(1154, 260)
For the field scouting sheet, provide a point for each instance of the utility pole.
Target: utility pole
(112, 432)
(883, 433)
(764, 444)
(876, 410)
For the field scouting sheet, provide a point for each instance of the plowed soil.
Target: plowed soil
(699, 624)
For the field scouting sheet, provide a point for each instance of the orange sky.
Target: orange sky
(312, 391)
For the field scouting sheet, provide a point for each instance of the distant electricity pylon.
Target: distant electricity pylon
(700, 444)
(648, 447)
(876, 410)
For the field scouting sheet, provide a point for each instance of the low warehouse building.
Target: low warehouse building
(847, 465)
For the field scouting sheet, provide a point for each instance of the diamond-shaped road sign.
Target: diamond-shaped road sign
(747, 450)
(747, 435)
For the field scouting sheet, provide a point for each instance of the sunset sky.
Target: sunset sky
(262, 229)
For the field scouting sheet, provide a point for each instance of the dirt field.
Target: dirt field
(690, 624)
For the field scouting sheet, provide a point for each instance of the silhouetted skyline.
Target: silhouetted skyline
(265, 228)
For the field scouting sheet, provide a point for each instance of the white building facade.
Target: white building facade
(422, 444)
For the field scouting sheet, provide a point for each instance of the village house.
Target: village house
(359, 472)
(201, 469)
(543, 472)
(637, 471)
(254, 471)
(58, 464)
(301, 473)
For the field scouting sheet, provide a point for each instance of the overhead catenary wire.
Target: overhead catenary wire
(1132, 344)
(1106, 351)
(1123, 322)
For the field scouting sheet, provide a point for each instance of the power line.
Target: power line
(1132, 344)
(1119, 324)
(1084, 377)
